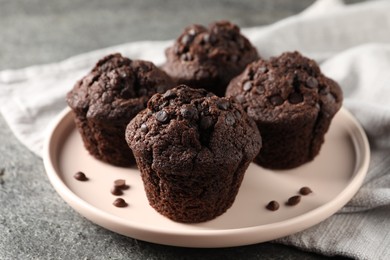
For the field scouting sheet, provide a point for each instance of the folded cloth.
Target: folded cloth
(352, 43)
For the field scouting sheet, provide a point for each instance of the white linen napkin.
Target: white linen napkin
(352, 43)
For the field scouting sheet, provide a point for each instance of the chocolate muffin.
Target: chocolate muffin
(292, 103)
(192, 149)
(209, 57)
(105, 100)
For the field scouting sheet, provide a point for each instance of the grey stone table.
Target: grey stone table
(35, 223)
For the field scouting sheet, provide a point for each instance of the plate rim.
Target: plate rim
(153, 234)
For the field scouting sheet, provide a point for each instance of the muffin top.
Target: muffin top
(117, 88)
(186, 128)
(284, 87)
(214, 55)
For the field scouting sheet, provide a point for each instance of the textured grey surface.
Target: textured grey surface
(35, 223)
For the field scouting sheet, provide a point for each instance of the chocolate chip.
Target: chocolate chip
(237, 114)
(121, 184)
(240, 98)
(323, 91)
(295, 98)
(273, 205)
(229, 119)
(80, 176)
(223, 104)
(120, 203)
(188, 112)
(144, 128)
(260, 90)
(305, 191)
(186, 57)
(162, 116)
(294, 200)
(169, 94)
(116, 191)
(187, 39)
(206, 122)
(247, 86)
(311, 82)
(276, 100)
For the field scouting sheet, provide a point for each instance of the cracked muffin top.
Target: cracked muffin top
(117, 88)
(209, 57)
(283, 87)
(186, 129)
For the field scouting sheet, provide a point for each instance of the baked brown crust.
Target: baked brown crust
(192, 149)
(292, 103)
(107, 98)
(209, 57)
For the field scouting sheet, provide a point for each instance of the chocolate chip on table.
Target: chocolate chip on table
(80, 176)
(294, 200)
(276, 100)
(305, 191)
(311, 82)
(121, 184)
(295, 98)
(116, 191)
(247, 86)
(120, 203)
(272, 205)
(162, 116)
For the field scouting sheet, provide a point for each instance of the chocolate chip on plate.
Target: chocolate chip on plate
(272, 205)
(305, 191)
(294, 200)
(120, 203)
(80, 176)
(121, 184)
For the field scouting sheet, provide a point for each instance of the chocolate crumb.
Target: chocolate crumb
(272, 205)
(80, 176)
(305, 191)
(294, 200)
(120, 203)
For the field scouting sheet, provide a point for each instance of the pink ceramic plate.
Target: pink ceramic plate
(334, 176)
